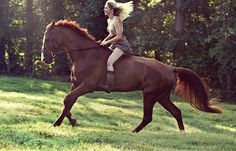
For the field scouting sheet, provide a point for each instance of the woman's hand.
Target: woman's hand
(103, 43)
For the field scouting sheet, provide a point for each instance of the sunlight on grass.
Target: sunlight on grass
(46, 85)
(105, 122)
(48, 130)
(60, 93)
(7, 106)
(103, 147)
(112, 109)
(231, 129)
(190, 129)
(17, 96)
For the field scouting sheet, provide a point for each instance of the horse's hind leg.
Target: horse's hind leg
(176, 113)
(148, 103)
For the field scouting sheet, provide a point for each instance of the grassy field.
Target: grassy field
(105, 121)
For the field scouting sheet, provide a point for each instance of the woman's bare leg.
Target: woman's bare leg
(116, 54)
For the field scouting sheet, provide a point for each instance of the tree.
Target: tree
(222, 42)
(151, 29)
(198, 34)
(179, 27)
(28, 57)
(61, 66)
(92, 17)
(3, 35)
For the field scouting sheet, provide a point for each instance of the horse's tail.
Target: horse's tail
(194, 90)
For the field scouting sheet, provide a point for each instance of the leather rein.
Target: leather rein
(80, 49)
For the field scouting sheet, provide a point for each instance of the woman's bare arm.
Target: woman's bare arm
(119, 33)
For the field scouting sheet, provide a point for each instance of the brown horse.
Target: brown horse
(132, 73)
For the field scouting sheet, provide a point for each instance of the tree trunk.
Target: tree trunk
(3, 33)
(28, 57)
(3, 65)
(229, 92)
(179, 20)
(179, 27)
(12, 59)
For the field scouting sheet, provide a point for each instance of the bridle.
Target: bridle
(58, 46)
(80, 49)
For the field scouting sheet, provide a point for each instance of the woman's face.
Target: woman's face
(107, 10)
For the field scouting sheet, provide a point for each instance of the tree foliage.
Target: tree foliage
(206, 43)
(222, 41)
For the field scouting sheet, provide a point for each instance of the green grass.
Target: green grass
(105, 121)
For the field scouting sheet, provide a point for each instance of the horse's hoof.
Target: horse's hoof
(182, 132)
(73, 122)
(57, 123)
(135, 130)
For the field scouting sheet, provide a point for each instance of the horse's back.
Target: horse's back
(143, 73)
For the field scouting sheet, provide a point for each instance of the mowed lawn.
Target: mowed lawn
(105, 121)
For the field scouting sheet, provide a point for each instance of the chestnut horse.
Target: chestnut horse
(132, 73)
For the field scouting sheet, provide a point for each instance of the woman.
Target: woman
(116, 13)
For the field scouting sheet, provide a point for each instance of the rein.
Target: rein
(80, 49)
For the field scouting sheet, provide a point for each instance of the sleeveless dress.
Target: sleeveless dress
(122, 44)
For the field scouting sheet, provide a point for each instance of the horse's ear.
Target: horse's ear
(52, 24)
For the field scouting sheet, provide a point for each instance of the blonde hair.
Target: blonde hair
(121, 9)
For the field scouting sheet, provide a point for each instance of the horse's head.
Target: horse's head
(68, 34)
(50, 44)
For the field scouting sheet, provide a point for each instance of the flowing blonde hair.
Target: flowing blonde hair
(124, 9)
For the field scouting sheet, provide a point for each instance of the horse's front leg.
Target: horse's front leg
(69, 101)
(71, 119)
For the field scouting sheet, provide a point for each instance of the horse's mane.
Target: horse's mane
(75, 27)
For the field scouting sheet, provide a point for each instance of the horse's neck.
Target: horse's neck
(82, 49)
(91, 58)
(72, 40)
